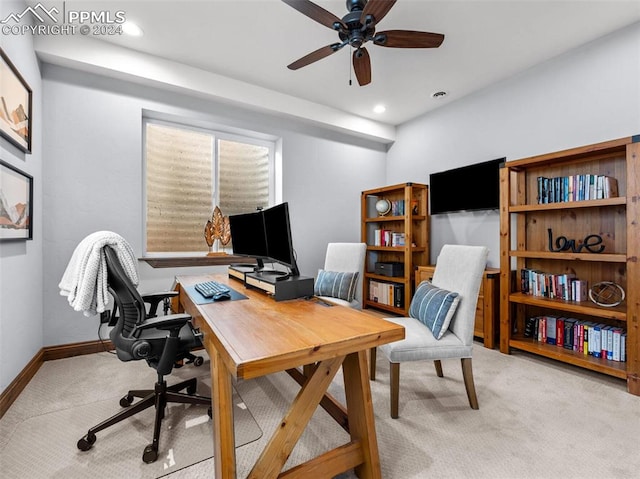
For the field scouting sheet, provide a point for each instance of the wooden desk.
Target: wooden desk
(258, 336)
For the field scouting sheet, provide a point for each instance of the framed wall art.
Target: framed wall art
(16, 203)
(15, 105)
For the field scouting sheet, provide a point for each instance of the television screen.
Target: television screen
(469, 188)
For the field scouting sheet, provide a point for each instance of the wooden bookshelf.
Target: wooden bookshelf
(413, 222)
(527, 243)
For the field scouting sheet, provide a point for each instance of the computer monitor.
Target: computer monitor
(278, 234)
(248, 236)
(266, 236)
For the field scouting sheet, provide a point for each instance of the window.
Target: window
(188, 171)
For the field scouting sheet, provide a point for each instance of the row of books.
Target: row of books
(576, 188)
(560, 286)
(384, 237)
(587, 337)
(397, 208)
(390, 294)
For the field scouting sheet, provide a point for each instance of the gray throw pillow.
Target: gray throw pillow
(335, 284)
(434, 307)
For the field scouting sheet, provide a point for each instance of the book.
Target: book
(542, 329)
(529, 327)
(560, 332)
(585, 339)
(568, 333)
(604, 340)
(398, 295)
(610, 187)
(580, 340)
(550, 322)
(610, 343)
(615, 353)
(594, 340)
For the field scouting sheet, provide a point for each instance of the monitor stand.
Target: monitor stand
(239, 270)
(281, 287)
(274, 274)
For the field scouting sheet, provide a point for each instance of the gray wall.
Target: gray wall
(93, 172)
(591, 94)
(21, 261)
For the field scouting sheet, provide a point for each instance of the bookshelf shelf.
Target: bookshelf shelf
(528, 234)
(575, 358)
(411, 220)
(618, 313)
(569, 204)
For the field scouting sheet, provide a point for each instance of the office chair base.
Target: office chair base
(158, 397)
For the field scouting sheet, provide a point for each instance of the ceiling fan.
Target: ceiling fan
(357, 28)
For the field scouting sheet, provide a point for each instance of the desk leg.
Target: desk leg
(360, 410)
(224, 452)
(292, 426)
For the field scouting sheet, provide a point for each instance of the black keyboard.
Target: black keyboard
(213, 289)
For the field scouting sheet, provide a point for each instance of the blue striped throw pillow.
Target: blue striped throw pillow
(434, 307)
(335, 284)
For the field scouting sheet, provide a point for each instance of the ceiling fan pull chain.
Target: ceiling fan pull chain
(350, 69)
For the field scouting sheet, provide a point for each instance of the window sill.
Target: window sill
(189, 261)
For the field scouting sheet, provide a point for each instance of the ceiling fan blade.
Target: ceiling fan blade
(408, 39)
(362, 66)
(315, 12)
(377, 9)
(316, 55)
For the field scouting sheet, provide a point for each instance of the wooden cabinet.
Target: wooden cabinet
(487, 325)
(399, 236)
(550, 238)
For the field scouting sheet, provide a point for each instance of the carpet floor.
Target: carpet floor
(537, 419)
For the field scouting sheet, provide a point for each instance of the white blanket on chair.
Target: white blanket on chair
(84, 282)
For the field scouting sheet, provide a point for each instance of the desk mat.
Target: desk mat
(199, 299)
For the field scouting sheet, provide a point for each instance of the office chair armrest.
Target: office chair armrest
(169, 322)
(159, 294)
(154, 299)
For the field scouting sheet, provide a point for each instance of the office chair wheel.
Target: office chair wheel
(150, 454)
(126, 401)
(85, 443)
(198, 361)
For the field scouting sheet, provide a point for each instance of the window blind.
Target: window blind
(243, 177)
(179, 173)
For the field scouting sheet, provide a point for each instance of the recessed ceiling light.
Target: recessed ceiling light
(379, 109)
(439, 94)
(132, 29)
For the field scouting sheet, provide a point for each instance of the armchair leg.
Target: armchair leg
(372, 363)
(467, 374)
(438, 364)
(394, 388)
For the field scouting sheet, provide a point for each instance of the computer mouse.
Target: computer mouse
(221, 296)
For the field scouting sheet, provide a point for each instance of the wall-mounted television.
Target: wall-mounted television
(468, 188)
(266, 236)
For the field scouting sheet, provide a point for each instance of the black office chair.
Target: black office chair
(163, 341)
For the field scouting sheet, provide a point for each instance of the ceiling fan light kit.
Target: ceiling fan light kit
(358, 27)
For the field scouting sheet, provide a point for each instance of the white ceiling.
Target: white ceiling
(254, 41)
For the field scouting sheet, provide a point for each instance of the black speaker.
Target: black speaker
(391, 268)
